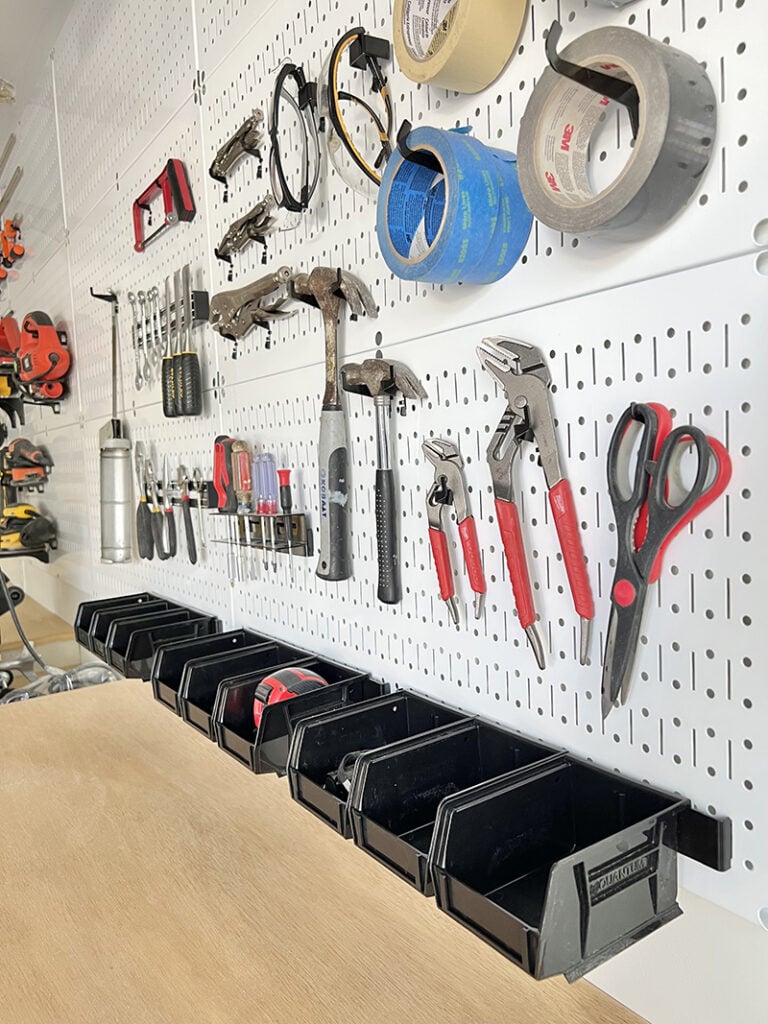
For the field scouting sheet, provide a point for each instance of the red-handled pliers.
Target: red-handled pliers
(522, 371)
(449, 488)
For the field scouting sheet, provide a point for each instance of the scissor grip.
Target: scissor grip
(439, 544)
(471, 549)
(512, 539)
(567, 525)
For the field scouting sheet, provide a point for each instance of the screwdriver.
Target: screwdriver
(197, 479)
(226, 499)
(286, 504)
(241, 452)
(258, 477)
(270, 500)
(168, 510)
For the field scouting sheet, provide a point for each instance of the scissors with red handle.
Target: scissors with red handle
(646, 523)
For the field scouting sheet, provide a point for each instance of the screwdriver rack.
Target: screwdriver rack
(292, 532)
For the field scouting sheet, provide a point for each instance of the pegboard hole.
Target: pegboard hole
(760, 233)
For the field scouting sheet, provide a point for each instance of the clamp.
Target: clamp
(521, 370)
(255, 226)
(450, 488)
(247, 139)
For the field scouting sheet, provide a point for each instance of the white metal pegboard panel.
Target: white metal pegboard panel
(692, 341)
(725, 218)
(106, 259)
(220, 24)
(122, 70)
(64, 499)
(36, 204)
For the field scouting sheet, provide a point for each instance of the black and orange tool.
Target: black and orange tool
(42, 354)
(178, 205)
(647, 521)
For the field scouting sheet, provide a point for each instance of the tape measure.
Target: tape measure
(284, 684)
(458, 44)
(451, 210)
(677, 119)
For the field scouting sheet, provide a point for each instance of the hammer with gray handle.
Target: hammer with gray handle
(327, 289)
(380, 379)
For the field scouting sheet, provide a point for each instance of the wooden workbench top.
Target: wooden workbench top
(150, 879)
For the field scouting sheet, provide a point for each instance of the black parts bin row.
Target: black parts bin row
(556, 864)
(127, 631)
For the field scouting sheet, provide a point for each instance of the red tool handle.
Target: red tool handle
(226, 499)
(512, 539)
(567, 525)
(471, 549)
(439, 543)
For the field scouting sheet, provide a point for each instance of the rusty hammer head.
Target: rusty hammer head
(376, 377)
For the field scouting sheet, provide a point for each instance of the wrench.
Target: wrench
(146, 370)
(138, 382)
(154, 322)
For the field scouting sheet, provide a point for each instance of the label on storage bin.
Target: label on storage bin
(620, 873)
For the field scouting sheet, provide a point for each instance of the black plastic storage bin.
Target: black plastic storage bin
(396, 792)
(121, 630)
(170, 660)
(559, 866)
(144, 642)
(321, 743)
(202, 678)
(266, 750)
(87, 609)
(103, 619)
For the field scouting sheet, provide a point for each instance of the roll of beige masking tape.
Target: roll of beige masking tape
(459, 44)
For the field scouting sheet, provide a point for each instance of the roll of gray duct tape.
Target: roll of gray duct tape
(675, 140)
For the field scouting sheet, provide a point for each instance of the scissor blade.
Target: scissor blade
(621, 642)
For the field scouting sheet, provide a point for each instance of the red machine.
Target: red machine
(42, 353)
(284, 684)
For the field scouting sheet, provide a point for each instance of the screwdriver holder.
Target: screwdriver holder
(293, 535)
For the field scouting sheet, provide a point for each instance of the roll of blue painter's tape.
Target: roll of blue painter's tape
(465, 222)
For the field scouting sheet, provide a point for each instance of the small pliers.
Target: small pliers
(522, 371)
(450, 488)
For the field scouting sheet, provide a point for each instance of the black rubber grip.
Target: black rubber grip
(189, 531)
(386, 537)
(191, 385)
(171, 533)
(144, 531)
(178, 385)
(156, 519)
(169, 402)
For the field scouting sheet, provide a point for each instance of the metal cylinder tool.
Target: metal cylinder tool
(115, 497)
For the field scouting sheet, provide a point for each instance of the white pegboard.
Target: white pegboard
(679, 319)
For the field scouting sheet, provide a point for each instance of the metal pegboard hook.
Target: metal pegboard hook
(605, 85)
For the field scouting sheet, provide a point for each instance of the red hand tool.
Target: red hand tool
(522, 371)
(450, 488)
(178, 204)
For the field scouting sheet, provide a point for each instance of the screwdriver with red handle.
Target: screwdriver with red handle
(242, 456)
(226, 497)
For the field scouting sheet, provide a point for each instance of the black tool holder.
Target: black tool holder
(265, 749)
(323, 745)
(398, 832)
(292, 532)
(171, 660)
(559, 866)
(89, 609)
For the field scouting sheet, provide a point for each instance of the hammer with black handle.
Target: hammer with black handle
(380, 379)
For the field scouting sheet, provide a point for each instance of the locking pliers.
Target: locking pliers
(247, 139)
(234, 313)
(450, 488)
(254, 226)
(522, 371)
